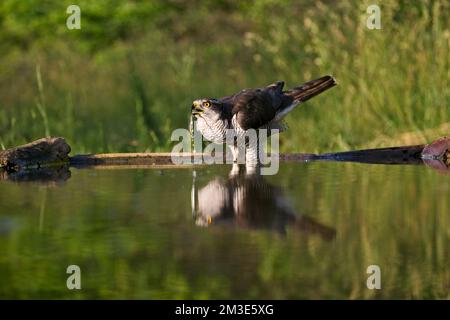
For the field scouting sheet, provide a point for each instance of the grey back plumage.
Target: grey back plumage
(255, 108)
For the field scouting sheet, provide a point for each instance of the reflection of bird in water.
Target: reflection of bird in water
(250, 202)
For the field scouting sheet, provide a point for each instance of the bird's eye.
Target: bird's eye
(206, 104)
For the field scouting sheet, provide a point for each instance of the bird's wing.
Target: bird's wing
(253, 108)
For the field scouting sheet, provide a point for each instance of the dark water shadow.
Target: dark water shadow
(249, 202)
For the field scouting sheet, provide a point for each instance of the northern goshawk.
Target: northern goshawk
(260, 108)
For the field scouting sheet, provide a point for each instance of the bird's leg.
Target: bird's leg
(252, 162)
(254, 155)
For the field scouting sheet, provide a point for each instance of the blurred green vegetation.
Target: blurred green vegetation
(134, 236)
(128, 77)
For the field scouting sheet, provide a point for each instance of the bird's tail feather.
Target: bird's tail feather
(311, 88)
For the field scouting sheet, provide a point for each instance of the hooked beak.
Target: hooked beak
(196, 109)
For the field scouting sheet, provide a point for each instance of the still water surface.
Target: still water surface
(309, 232)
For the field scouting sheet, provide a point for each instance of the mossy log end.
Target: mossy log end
(44, 152)
(438, 149)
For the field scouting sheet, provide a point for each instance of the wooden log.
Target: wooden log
(391, 155)
(158, 159)
(40, 153)
(133, 159)
(54, 151)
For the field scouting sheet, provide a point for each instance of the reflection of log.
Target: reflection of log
(49, 175)
(40, 153)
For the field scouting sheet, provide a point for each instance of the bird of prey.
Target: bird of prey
(259, 108)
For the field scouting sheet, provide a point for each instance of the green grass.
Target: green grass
(123, 83)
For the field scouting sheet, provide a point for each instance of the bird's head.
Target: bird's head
(206, 107)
